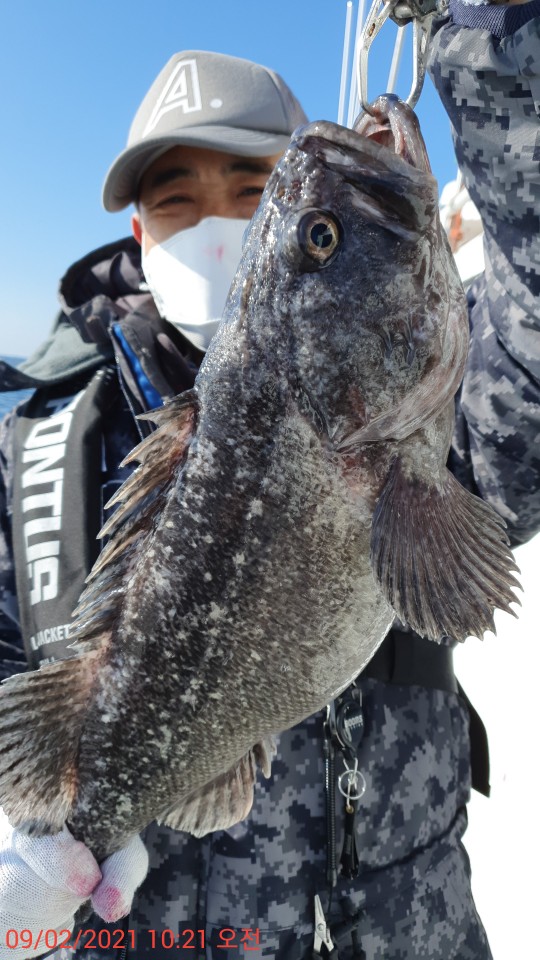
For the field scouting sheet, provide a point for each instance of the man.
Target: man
(252, 888)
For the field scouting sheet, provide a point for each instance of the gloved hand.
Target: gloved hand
(44, 880)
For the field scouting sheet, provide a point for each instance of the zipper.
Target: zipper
(330, 795)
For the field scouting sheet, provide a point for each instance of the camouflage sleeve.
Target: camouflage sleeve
(485, 63)
(12, 657)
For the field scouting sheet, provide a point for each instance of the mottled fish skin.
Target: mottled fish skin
(248, 587)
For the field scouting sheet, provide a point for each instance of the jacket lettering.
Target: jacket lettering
(44, 451)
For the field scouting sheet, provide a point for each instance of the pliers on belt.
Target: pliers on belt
(323, 945)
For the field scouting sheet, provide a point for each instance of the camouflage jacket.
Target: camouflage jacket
(250, 890)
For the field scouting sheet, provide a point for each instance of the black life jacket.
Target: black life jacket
(57, 506)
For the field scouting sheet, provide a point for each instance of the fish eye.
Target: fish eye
(319, 235)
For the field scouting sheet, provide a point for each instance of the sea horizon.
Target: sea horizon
(12, 397)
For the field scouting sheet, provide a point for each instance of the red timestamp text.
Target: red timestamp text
(243, 939)
(64, 939)
(247, 938)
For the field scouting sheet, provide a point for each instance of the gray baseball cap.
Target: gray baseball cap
(205, 100)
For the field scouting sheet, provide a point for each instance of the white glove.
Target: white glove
(44, 881)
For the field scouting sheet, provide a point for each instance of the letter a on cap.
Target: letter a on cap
(182, 92)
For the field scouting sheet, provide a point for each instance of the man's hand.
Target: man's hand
(44, 881)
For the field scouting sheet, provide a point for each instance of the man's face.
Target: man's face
(187, 184)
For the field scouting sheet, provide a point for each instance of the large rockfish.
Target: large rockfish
(285, 510)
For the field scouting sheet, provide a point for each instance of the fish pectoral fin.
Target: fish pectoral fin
(440, 556)
(224, 801)
(41, 717)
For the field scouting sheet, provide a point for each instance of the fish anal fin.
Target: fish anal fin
(440, 556)
(224, 801)
(39, 740)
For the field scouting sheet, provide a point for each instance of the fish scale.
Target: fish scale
(283, 511)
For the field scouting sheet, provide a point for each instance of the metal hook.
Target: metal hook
(420, 12)
(375, 20)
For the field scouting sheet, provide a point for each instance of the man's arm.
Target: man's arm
(485, 64)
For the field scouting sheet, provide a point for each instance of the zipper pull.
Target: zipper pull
(349, 855)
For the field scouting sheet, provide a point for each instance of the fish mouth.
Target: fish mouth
(388, 137)
(394, 124)
(383, 160)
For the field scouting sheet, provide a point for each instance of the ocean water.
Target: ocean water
(9, 400)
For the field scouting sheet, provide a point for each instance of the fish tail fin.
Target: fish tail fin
(41, 715)
(441, 556)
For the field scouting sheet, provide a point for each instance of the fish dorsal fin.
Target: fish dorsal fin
(139, 500)
(38, 750)
(224, 801)
(441, 556)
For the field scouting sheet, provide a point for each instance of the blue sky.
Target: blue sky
(72, 73)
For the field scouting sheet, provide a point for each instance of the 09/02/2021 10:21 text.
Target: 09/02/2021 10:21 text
(226, 937)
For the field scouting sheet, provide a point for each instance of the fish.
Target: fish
(282, 514)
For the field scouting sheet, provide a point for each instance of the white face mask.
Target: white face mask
(189, 275)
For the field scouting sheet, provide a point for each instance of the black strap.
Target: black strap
(56, 507)
(479, 748)
(406, 658)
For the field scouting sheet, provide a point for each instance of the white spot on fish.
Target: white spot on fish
(239, 559)
(124, 805)
(169, 523)
(207, 576)
(166, 737)
(189, 698)
(216, 612)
